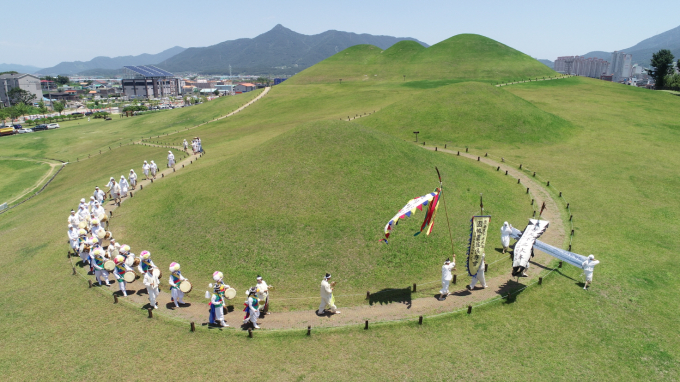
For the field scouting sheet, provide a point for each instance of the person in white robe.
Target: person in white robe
(171, 159)
(112, 181)
(263, 294)
(73, 219)
(99, 195)
(447, 276)
(132, 179)
(154, 169)
(99, 211)
(151, 282)
(145, 169)
(194, 146)
(124, 186)
(83, 213)
(479, 277)
(98, 264)
(252, 308)
(174, 280)
(90, 204)
(95, 230)
(186, 145)
(588, 268)
(200, 145)
(83, 203)
(113, 249)
(115, 192)
(327, 300)
(217, 302)
(73, 237)
(506, 230)
(83, 246)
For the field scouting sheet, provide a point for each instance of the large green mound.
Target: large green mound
(315, 200)
(470, 113)
(465, 57)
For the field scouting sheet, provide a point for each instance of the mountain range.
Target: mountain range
(76, 67)
(642, 51)
(18, 68)
(278, 51)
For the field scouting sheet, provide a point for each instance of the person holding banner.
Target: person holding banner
(588, 268)
(479, 276)
(506, 230)
(446, 277)
(327, 299)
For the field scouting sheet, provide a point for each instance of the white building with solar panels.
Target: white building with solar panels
(146, 81)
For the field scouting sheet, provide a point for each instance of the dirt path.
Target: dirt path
(399, 307)
(44, 178)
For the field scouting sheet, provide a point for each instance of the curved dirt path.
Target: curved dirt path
(399, 308)
(44, 178)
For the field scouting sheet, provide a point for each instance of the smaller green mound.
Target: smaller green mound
(470, 113)
(463, 57)
(19, 175)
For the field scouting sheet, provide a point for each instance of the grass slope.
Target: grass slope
(469, 113)
(315, 200)
(18, 176)
(465, 57)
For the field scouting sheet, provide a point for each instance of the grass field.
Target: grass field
(612, 155)
(18, 176)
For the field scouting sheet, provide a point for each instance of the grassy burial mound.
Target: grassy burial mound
(470, 113)
(19, 176)
(464, 57)
(315, 200)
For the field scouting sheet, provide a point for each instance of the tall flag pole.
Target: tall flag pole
(453, 252)
(541, 213)
(481, 204)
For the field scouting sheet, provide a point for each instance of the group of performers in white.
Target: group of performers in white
(196, 146)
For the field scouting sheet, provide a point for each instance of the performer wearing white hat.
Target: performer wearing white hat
(82, 204)
(119, 272)
(447, 277)
(110, 184)
(145, 168)
(171, 159)
(99, 270)
(263, 294)
(73, 237)
(127, 255)
(145, 263)
(113, 249)
(327, 299)
(217, 301)
(151, 282)
(175, 279)
(115, 192)
(99, 210)
(95, 230)
(73, 219)
(479, 276)
(83, 213)
(133, 179)
(506, 230)
(252, 308)
(588, 268)
(124, 186)
(83, 246)
(99, 195)
(154, 169)
(186, 145)
(90, 204)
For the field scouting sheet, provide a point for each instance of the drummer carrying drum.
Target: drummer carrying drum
(119, 272)
(175, 280)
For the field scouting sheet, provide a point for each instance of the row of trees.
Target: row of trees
(663, 72)
(20, 109)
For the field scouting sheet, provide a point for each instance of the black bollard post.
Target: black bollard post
(74, 271)
(498, 169)
(309, 330)
(414, 288)
(250, 333)
(141, 186)
(567, 205)
(366, 325)
(517, 181)
(486, 267)
(115, 299)
(89, 283)
(193, 326)
(150, 312)
(469, 309)
(420, 320)
(560, 266)
(506, 172)
(560, 194)
(131, 194)
(368, 295)
(527, 190)
(478, 159)
(540, 280)
(548, 185)
(454, 279)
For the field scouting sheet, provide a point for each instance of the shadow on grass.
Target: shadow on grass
(391, 295)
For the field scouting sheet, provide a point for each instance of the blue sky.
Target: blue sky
(48, 32)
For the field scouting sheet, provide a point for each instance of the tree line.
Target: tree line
(663, 71)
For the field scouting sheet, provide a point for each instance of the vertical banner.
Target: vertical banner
(522, 251)
(479, 225)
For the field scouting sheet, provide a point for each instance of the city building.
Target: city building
(244, 87)
(279, 80)
(621, 66)
(146, 81)
(581, 66)
(27, 82)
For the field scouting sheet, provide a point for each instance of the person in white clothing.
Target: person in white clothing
(73, 237)
(145, 169)
(90, 204)
(151, 283)
(175, 279)
(110, 184)
(98, 264)
(95, 230)
(98, 210)
(447, 276)
(186, 145)
(588, 268)
(171, 159)
(217, 302)
(119, 272)
(506, 230)
(327, 299)
(82, 204)
(133, 179)
(252, 308)
(99, 195)
(154, 168)
(479, 276)
(124, 186)
(115, 192)
(263, 294)
(113, 249)
(73, 219)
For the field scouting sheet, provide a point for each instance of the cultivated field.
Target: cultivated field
(289, 190)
